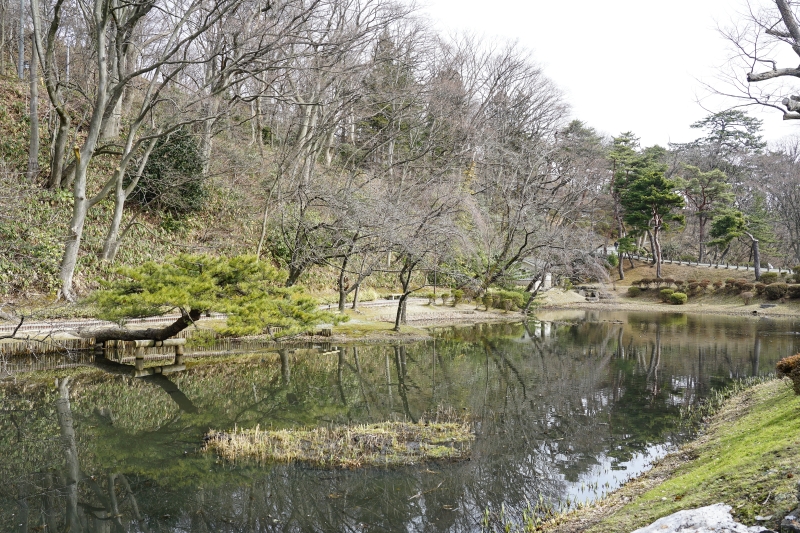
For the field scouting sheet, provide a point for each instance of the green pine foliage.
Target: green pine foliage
(250, 292)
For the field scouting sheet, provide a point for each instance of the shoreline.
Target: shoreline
(690, 476)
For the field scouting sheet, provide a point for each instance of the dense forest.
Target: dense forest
(349, 144)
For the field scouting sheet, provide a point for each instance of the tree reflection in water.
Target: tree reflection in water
(552, 403)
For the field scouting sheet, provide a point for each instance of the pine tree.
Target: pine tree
(251, 293)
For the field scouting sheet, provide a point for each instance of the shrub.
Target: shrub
(691, 281)
(613, 260)
(748, 286)
(665, 294)
(518, 299)
(730, 282)
(759, 287)
(794, 291)
(458, 296)
(769, 278)
(678, 298)
(790, 367)
(643, 283)
(669, 281)
(747, 296)
(172, 178)
(693, 287)
(633, 292)
(717, 285)
(679, 283)
(776, 291)
(704, 284)
(444, 297)
(487, 300)
(431, 297)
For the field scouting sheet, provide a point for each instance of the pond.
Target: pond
(564, 408)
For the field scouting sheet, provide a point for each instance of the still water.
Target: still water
(565, 408)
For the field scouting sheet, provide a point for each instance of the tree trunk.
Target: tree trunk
(33, 150)
(652, 246)
(58, 178)
(158, 334)
(113, 237)
(657, 251)
(54, 181)
(405, 281)
(81, 203)
(701, 230)
(212, 107)
(341, 285)
(111, 242)
(70, 451)
(756, 256)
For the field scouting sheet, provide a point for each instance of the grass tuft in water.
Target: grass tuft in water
(382, 444)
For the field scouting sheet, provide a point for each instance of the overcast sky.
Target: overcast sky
(624, 65)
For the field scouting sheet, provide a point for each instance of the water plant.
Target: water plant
(381, 444)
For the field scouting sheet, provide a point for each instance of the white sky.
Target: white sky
(624, 65)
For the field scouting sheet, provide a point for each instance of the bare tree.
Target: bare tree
(756, 43)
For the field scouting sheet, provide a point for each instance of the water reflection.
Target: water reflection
(561, 407)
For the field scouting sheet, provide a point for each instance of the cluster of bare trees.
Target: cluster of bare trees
(377, 144)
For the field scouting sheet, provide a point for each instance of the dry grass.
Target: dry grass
(683, 272)
(383, 444)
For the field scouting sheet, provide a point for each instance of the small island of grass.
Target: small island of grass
(381, 444)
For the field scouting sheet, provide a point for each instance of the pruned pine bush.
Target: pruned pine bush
(776, 291)
(669, 282)
(679, 283)
(747, 297)
(769, 278)
(487, 300)
(730, 283)
(458, 297)
(633, 292)
(790, 367)
(794, 291)
(678, 298)
(431, 298)
(717, 285)
(694, 286)
(445, 296)
(665, 294)
(759, 288)
(749, 287)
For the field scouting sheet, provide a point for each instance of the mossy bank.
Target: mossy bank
(745, 457)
